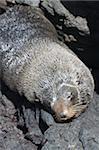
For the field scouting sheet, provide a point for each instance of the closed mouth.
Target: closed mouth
(73, 112)
(63, 120)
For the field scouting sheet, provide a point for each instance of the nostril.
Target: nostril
(62, 115)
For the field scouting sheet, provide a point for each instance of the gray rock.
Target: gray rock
(65, 18)
(47, 118)
(11, 138)
(86, 47)
(34, 133)
(80, 134)
(62, 136)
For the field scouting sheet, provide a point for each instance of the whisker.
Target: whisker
(78, 104)
(77, 108)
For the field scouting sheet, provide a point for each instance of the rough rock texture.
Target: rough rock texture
(80, 134)
(28, 127)
(11, 138)
(89, 10)
(64, 17)
(72, 30)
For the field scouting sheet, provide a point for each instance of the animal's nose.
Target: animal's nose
(63, 115)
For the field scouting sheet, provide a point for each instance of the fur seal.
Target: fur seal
(35, 64)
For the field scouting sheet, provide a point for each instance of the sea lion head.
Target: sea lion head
(67, 104)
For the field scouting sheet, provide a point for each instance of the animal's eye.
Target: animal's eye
(69, 97)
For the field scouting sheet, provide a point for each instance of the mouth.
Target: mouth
(69, 114)
(63, 120)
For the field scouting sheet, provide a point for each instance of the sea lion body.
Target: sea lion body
(34, 62)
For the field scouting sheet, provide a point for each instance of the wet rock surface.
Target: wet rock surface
(27, 126)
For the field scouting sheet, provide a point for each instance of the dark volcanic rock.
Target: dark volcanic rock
(71, 29)
(11, 138)
(47, 118)
(87, 50)
(95, 73)
(69, 20)
(34, 133)
(80, 134)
